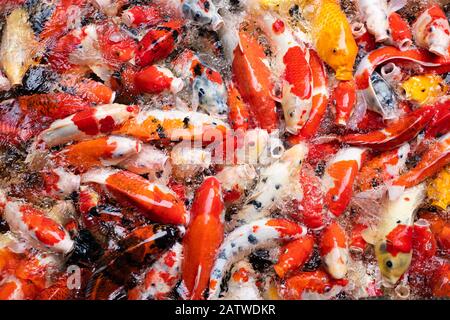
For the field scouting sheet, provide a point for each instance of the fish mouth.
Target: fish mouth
(344, 74)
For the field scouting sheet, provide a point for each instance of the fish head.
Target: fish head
(338, 49)
(391, 267)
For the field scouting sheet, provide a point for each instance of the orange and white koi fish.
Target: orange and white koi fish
(33, 224)
(174, 125)
(440, 282)
(208, 88)
(311, 284)
(87, 124)
(392, 236)
(242, 283)
(294, 255)
(382, 169)
(436, 158)
(18, 46)
(159, 280)
(263, 233)
(334, 250)
(203, 238)
(432, 31)
(104, 151)
(291, 63)
(277, 182)
(379, 56)
(157, 202)
(339, 177)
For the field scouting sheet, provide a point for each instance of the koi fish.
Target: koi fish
(87, 124)
(440, 229)
(357, 244)
(242, 283)
(159, 280)
(276, 182)
(394, 134)
(400, 33)
(263, 233)
(334, 250)
(436, 158)
(18, 46)
(344, 101)
(251, 76)
(424, 247)
(294, 255)
(383, 168)
(339, 177)
(203, 238)
(431, 31)
(104, 151)
(141, 248)
(157, 202)
(174, 125)
(424, 89)
(33, 224)
(392, 237)
(292, 63)
(208, 88)
(158, 43)
(332, 36)
(379, 56)
(303, 284)
(310, 208)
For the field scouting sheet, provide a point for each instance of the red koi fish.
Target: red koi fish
(158, 43)
(157, 202)
(334, 250)
(344, 100)
(339, 178)
(252, 78)
(203, 238)
(294, 255)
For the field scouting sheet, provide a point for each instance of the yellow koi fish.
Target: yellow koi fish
(424, 89)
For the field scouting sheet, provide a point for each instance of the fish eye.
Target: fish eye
(334, 50)
(389, 264)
